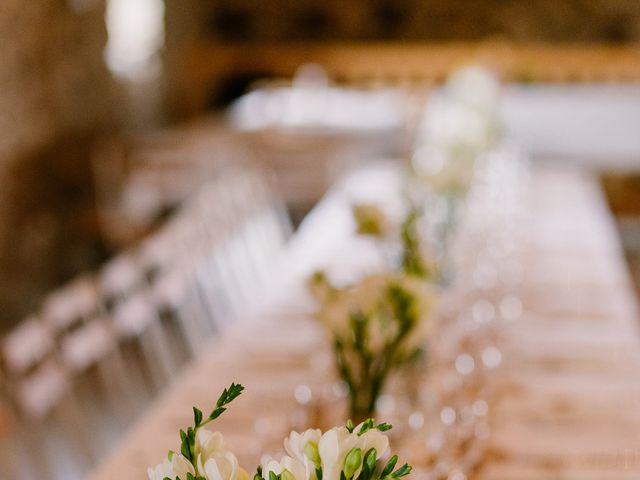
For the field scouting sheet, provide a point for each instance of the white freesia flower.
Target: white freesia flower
(208, 442)
(290, 468)
(175, 466)
(303, 447)
(336, 444)
(214, 460)
(222, 466)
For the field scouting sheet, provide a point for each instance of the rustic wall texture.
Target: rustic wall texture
(54, 93)
(538, 20)
(198, 24)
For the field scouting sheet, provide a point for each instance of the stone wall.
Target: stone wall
(54, 94)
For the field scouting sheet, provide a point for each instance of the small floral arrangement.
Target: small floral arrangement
(372, 221)
(462, 122)
(377, 325)
(343, 453)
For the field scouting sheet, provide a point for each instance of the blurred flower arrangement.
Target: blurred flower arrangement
(460, 123)
(384, 321)
(414, 260)
(378, 325)
(342, 453)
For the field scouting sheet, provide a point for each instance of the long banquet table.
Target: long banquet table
(570, 388)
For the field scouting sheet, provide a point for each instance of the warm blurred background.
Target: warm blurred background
(82, 79)
(113, 112)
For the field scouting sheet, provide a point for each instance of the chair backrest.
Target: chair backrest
(121, 276)
(72, 303)
(86, 345)
(132, 316)
(39, 392)
(168, 291)
(247, 226)
(208, 260)
(34, 380)
(25, 346)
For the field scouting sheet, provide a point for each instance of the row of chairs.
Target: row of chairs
(109, 339)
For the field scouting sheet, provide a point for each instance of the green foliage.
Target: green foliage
(227, 396)
(258, 474)
(352, 462)
(350, 426)
(388, 471)
(413, 262)
(188, 437)
(369, 424)
(364, 370)
(368, 465)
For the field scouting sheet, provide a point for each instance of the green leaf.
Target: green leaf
(185, 450)
(389, 467)
(258, 474)
(228, 395)
(368, 424)
(402, 471)
(383, 427)
(273, 476)
(352, 462)
(370, 458)
(216, 413)
(197, 416)
(350, 426)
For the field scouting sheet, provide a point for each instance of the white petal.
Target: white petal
(211, 470)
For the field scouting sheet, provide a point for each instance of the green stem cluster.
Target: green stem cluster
(413, 263)
(188, 437)
(364, 370)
